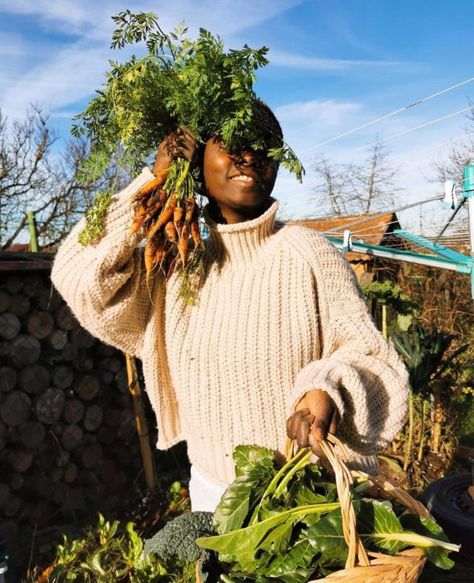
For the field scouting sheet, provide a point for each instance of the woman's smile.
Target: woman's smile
(238, 185)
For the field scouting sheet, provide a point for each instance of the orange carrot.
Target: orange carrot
(195, 232)
(190, 206)
(153, 199)
(183, 243)
(165, 215)
(170, 232)
(178, 215)
(160, 256)
(150, 251)
(151, 185)
(138, 218)
(157, 205)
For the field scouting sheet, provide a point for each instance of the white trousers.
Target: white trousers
(205, 495)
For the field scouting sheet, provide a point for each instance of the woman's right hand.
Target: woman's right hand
(179, 144)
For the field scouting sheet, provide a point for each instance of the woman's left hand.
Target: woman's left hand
(315, 416)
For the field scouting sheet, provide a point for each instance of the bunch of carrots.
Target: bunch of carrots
(171, 221)
(180, 81)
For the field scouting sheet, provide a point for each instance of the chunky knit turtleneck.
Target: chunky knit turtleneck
(242, 243)
(279, 313)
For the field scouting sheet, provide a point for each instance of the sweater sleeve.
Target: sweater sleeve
(104, 283)
(358, 368)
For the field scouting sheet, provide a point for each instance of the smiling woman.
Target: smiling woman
(279, 328)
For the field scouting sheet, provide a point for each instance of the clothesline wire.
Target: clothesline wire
(372, 230)
(381, 213)
(323, 195)
(465, 135)
(388, 115)
(395, 135)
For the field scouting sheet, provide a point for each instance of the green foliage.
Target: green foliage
(283, 539)
(105, 554)
(178, 82)
(95, 218)
(389, 294)
(423, 352)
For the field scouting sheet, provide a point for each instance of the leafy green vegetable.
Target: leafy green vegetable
(247, 457)
(326, 538)
(429, 528)
(294, 566)
(175, 542)
(245, 542)
(292, 531)
(254, 467)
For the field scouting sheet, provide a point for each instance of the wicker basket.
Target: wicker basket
(362, 566)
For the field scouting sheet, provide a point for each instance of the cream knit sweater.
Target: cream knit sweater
(280, 313)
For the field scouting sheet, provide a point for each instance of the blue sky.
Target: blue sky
(334, 66)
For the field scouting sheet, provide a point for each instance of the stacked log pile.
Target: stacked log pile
(68, 441)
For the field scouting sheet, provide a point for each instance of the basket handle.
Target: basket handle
(357, 553)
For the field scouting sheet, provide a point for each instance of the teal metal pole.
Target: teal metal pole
(31, 220)
(469, 194)
(469, 181)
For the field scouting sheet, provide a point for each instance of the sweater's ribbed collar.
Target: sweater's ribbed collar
(241, 242)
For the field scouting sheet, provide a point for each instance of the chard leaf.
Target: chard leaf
(255, 469)
(275, 484)
(278, 539)
(233, 508)
(246, 457)
(295, 566)
(329, 490)
(246, 541)
(302, 493)
(429, 528)
(380, 525)
(326, 537)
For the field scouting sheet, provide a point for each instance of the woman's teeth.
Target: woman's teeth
(243, 178)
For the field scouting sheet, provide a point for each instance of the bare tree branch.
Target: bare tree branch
(35, 178)
(345, 189)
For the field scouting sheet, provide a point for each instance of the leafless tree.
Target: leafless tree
(36, 176)
(459, 156)
(452, 168)
(346, 189)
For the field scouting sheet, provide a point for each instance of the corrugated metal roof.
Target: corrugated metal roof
(372, 230)
(375, 229)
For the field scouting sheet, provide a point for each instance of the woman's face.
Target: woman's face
(240, 185)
